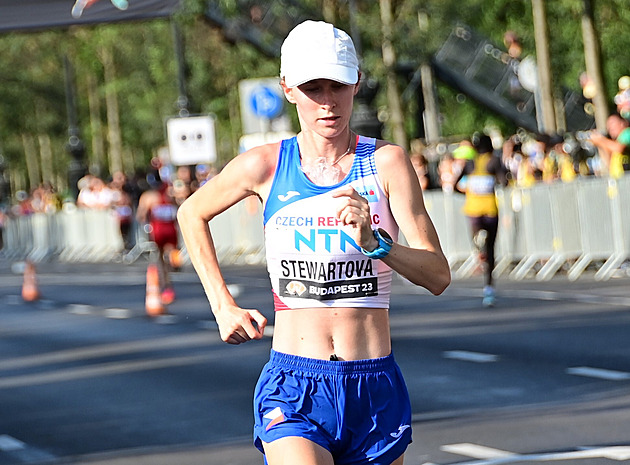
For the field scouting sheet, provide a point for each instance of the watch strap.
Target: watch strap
(384, 246)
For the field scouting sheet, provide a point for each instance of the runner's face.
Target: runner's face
(323, 105)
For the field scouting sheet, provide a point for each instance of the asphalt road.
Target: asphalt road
(87, 377)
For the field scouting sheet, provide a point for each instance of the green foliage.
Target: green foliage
(612, 19)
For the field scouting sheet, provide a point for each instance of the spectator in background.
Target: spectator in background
(483, 171)
(184, 174)
(38, 199)
(513, 44)
(23, 207)
(512, 156)
(566, 170)
(537, 149)
(123, 207)
(548, 163)
(421, 167)
(447, 170)
(181, 191)
(203, 173)
(44, 199)
(95, 194)
(614, 148)
(514, 50)
(622, 98)
(526, 175)
(85, 195)
(589, 90)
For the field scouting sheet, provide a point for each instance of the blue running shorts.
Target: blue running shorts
(358, 410)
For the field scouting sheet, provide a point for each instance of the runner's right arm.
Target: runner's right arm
(245, 175)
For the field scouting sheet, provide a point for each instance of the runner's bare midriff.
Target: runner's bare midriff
(348, 333)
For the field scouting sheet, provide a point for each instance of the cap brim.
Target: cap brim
(343, 74)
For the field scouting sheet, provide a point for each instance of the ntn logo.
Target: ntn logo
(316, 238)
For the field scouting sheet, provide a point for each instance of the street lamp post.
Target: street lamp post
(74, 146)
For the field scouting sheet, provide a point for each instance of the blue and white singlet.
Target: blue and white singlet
(311, 258)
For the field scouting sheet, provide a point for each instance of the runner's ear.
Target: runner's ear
(288, 91)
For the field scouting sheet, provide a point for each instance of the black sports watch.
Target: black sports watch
(385, 243)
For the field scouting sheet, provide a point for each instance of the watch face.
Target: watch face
(385, 235)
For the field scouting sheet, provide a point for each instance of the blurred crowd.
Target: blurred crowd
(528, 159)
(534, 158)
(119, 193)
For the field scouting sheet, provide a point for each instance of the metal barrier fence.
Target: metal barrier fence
(541, 230)
(82, 235)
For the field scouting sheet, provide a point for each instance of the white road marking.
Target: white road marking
(467, 356)
(476, 451)
(56, 375)
(117, 313)
(22, 452)
(567, 296)
(80, 309)
(166, 319)
(601, 373)
(491, 456)
(193, 340)
(14, 300)
(9, 443)
(613, 453)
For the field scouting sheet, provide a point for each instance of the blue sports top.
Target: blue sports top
(311, 257)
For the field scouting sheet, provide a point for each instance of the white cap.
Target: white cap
(318, 50)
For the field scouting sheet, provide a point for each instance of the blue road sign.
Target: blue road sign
(265, 102)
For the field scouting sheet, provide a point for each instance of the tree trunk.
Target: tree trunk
(354, 30)
(113, 122)
(61, 183)
(45, 152)
(16, 180)
(329, 12)
(544, 68)
(32, 163)
(396, 117)
(96, 125)
(430, 116)
(593, 65)
(45, 148)
(128, 160)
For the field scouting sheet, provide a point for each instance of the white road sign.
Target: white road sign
(191, 140)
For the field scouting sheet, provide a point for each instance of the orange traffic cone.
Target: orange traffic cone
(30, 290)
(153, 301)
